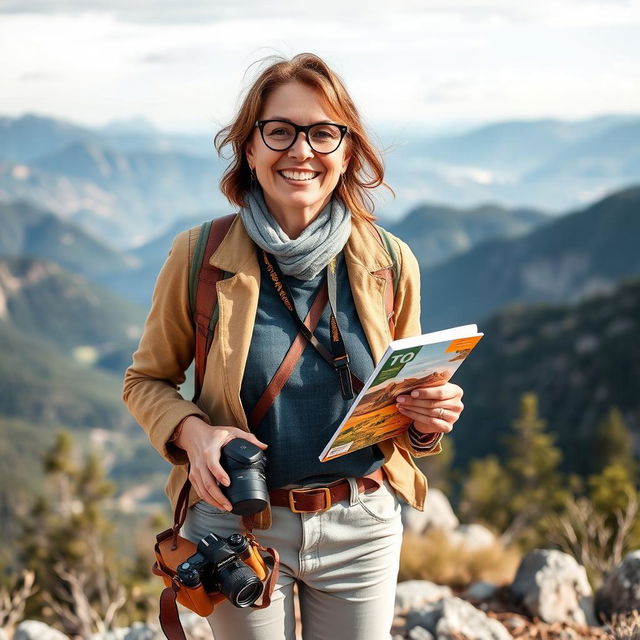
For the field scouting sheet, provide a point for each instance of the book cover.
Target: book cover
(421, 361)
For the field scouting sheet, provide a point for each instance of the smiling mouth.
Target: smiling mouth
(299, 176)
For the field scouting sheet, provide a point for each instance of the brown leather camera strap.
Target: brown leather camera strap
(169, 617)
(270, 582)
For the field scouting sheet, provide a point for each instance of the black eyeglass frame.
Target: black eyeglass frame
(305, 129)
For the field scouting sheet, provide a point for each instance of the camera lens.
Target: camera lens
(245, 464)
(240, 585)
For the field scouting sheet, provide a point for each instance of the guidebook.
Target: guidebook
(421, 361)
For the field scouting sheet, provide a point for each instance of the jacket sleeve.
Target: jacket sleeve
(165, 351)
(407, 318)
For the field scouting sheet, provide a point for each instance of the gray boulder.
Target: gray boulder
(413, 594)
(480, 591)
(437, 514)
(554, 587)
(620, 591)
(419, 633)
(140, 631)
(452, 617)
(36, 630)
(472, 536)
(115, 634)
(196, 628)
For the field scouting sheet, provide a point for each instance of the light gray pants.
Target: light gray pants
(344, 560)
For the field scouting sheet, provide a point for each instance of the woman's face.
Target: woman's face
(304, 195)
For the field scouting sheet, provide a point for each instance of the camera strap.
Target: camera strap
(337, 357)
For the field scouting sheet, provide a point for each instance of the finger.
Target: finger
(441, 392)
(426, 424)
(213, 491)
(454, 406)
(215, 469)
(209, 491)
(442, 413)
(252, 438)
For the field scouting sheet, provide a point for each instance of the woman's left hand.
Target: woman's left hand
(433, 409)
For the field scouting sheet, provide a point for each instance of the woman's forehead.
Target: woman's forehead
(297, 102)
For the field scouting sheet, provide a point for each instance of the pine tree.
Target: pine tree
(515, 496)
(67, 541)
(613, 444)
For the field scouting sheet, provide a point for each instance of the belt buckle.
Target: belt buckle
(327, 499)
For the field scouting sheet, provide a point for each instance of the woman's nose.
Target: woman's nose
(300, 148)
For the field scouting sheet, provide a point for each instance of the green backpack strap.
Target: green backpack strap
(390, 274)
(393, 254)
(203, 294)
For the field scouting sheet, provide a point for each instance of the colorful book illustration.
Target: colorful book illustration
(421, 361)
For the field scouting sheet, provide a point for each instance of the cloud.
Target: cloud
(361, 13)
(38, 76)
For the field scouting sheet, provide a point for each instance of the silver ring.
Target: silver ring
(440, 414)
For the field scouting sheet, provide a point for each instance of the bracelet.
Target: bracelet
(423, 441)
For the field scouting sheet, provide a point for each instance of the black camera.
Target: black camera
(221, 565)
(245, 465)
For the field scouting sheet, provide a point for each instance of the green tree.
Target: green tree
(515, 496)
(67, 541)
(613, 444)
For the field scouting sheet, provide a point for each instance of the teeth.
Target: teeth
(298, 175)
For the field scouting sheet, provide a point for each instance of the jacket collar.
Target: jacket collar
(364, 247)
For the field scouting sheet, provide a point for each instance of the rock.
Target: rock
(481, 591)
(472, 536)
(437, 514)
(420, 633)
(554, 587)
(451, 618)
(196, 628)
(620, 591)
(115, 634)
(413, 594)
(140, 631)
(36, 630)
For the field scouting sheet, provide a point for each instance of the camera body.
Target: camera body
(245, 465)
(230, 566)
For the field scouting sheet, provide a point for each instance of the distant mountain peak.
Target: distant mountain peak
(134, 124)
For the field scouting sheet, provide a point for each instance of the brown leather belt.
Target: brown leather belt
(317, 499)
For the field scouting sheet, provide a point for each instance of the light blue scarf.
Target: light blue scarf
(307, 255)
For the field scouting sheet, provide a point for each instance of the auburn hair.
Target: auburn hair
(365, 170)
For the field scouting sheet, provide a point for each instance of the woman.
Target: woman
(302, 163)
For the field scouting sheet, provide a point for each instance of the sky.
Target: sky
(429, 64)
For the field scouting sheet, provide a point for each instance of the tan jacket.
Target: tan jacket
(166, 348)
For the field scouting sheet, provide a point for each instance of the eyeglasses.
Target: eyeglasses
(322, 137)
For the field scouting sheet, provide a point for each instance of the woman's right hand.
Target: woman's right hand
(203, 443)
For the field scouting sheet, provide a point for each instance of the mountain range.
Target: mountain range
(555, 294)
(564, 260)
(126, 184)
(581, 359)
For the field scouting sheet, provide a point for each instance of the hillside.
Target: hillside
(42, 387)
(78, 318)
(580, 359)
(30, 231)
(120, 197)
(563, 261)
(437, 233)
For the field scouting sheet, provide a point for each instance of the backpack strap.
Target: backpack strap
(203, 295)
(391, 275)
